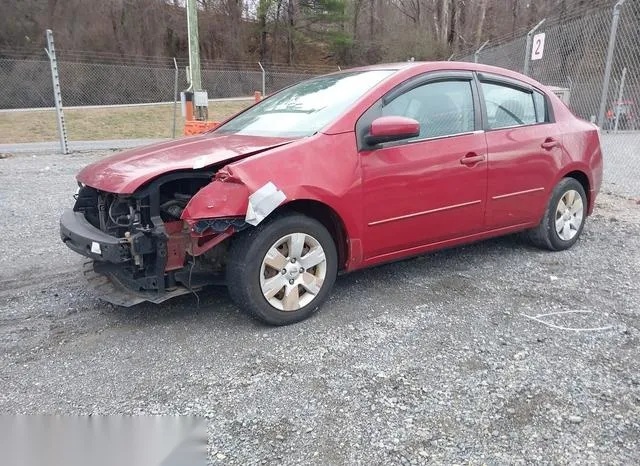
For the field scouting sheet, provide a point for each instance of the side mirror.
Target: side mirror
(392, 128)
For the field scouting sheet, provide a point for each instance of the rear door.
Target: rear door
(524, 151)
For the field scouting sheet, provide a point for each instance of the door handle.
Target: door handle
(550, 143)
(471, 159)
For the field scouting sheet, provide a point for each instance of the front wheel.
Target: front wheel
(564, 217)
(282, 270)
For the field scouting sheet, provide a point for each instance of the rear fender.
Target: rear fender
(586, 171)
(581, 141)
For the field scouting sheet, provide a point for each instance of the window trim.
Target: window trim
(414, 141)
(500, 80)
(548, 113)
(373, 112)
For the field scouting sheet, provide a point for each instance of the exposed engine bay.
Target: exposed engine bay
(155, 252)
(117, 214)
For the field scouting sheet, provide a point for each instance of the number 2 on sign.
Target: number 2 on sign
(538, 46)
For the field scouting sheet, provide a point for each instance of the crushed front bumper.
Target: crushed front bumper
(111, 271)
(82, 237)
(110, 289)
(151, 263)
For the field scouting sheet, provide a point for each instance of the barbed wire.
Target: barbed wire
(84, 56)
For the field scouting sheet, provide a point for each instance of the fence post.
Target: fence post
(175, 95)
(607, 68)
(527, 52)
(264, 90)
(476, 54)
(57, 95)
(620, 96)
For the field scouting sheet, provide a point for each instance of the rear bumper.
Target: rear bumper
(82, 237)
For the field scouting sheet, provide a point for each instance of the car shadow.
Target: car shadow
(213, 305)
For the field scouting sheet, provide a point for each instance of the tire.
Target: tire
(248, 272)
(547, 235)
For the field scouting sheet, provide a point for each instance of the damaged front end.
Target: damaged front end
(141, 246)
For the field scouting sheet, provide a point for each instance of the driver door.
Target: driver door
(428, 189)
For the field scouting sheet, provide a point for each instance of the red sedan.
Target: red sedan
(333, 174)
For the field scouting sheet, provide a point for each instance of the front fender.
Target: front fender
(321, 168)
(218, 199)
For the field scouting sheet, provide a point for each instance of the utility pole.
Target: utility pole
(196, 99)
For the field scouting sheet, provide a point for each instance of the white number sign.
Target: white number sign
(538, 46)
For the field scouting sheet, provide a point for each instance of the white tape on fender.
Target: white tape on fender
(263, 202)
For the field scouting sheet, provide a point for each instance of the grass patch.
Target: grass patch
(95, 124)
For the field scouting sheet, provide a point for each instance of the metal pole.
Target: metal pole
(264, 90)
(175, 96)
(57, 95)
(476, 55)
(620, 95)
(607, 68)
(527, 52)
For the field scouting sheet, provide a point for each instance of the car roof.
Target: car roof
(426, 66)
(407, 70)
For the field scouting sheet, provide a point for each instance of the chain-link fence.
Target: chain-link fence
(593, 60)
(26, 83)
(124, 100)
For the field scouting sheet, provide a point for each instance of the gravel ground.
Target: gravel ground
(622, 161)
(428, 360)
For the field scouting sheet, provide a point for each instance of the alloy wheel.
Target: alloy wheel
(293, 271)
(569, 215)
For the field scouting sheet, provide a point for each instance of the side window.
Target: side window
(442, 108)
(508, 106)
(541, 107)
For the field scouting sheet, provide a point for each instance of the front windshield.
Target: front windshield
(304, 108)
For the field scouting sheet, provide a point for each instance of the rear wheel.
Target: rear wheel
(283, 270)
(564, 218)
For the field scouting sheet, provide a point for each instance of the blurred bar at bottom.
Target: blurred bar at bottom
(52, 440)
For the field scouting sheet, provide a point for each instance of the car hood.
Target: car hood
(126, 171)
